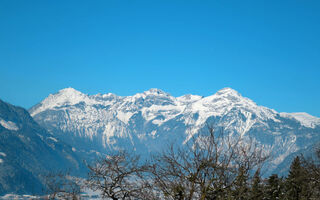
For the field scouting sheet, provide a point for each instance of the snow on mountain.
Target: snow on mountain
(148, 121)
(28, 151)
(9, 125)
(153, 103)
(189, 98)
(64, 97)
(2, 155)
(304, 118)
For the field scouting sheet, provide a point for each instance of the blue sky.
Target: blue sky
(269, 51)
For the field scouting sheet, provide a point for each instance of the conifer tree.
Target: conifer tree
(273, 188)
(241, 185)
(312, 166)
(256, 191)
(297, 181)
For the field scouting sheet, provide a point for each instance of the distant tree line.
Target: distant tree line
(213, 166)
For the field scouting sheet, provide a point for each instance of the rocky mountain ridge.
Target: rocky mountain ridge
(148, 121)
(28, 152)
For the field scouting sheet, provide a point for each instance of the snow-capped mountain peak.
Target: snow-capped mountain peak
(147, 121)
(69, 91)
(64, 97)
(230, 95)
(217, 104)
(151, 93)
(228, 91)
(69, 96)
(155, 91)
(228, 99)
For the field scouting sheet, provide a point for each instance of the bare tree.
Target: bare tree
(206, 168)
(60, 185)
(119, 176)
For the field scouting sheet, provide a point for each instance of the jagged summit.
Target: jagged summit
(227, 97)
(70, 94)
(107, 96)
(155, 91)
(147, 121)
(228, 91)
(152, 92)
(217, 104)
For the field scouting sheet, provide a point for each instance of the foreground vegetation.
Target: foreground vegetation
(214, 166)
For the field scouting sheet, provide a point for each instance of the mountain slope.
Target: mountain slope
(27, 152)
(148, 121)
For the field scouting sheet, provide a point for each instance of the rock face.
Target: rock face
(28, 151)
(148, 121)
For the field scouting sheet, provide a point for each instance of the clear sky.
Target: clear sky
(269, 51)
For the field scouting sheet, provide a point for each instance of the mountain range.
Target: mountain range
(148, 122)
(68, 127)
